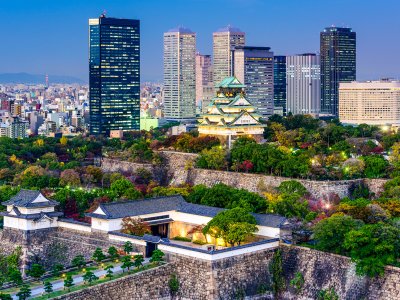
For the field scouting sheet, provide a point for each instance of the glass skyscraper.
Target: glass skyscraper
(338, 64)
(114, 75)
(280, 85)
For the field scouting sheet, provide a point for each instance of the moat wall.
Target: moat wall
(178, 169)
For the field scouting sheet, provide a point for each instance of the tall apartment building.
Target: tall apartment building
(114, 74)
(180, 74)
(338, 64)
(224, 42)
(280, 85)
(204, 81)
(14, 128)
(371, 102)
(254, 67)
(303, 84)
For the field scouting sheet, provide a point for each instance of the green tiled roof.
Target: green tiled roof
(230, 82)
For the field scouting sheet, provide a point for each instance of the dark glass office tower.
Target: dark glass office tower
(338, 64)
(114, 74)
(280, 85)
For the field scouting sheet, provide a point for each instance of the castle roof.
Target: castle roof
(230, 82)
(118, 210)
(30, 198)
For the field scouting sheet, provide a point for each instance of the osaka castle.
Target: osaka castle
(230, 115)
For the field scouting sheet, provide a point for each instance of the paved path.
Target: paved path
(78, 280)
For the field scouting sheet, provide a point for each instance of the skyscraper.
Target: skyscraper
(303, 84)
(204, 81)
(280, 85)
(180, 74)
(114, 74)
(338, 64)
(254, 67)
(224, 42)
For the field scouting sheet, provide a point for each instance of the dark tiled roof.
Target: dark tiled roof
(117, 210)
(72, 221)
(33, 216)
(24, 198)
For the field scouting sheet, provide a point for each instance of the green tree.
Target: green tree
(57, 269)
(138, 261)
(173, 284)
(289, 205)
(98, 255)
(157, 256)
(36, 271)
(375, 166)
(276, 270)
(68, 282)
(48, 287)
(291, 187)
(89, 277)
(372, 247)
(132, 194)
(329, 294)
(214, 158)
(128, 247)
(330, 233)
(78, 261)
(297, 282)
(15, 276)
(5, 296)
(24, 293)
(126, 263)
(113, 252)
(120, 186)
(233, 225)
(109, 271)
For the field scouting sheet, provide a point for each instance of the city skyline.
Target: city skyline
(51, 45)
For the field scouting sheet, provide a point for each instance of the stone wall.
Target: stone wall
(324, 270)
(10, 239)
(177, 170)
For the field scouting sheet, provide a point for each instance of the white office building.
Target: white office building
(303, 84)
(371, 102)
(180, 74)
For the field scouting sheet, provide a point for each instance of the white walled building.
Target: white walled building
(254, 67)
(224, 42)
(371, 102)
(30, 210)
(303, 84)
(179, 74)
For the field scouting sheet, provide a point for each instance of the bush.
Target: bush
(181, 238)
(173, 284)
(198, 242)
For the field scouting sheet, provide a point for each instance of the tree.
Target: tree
(157, 256)
(109, 271)
(375, 166)
(98, 255)
(372, 247)
(135, 226)
(15, 276)
(128, 247)
(330, 233)
(138, 261)
(57, 268)
(297, 282)
(63, 141)
(78, 261)
(173, 284)
(68, 282)
(329, 294)
(126, 262)
(120, 186)
(113, 252)
(89, 277)
(292, 186)
(48, 287)
(213, 158)
(24, 293)
(276, 270)
(288, 205)
(36, 271)
(233, 225)
(132, 194)
(5, 296)
(70, 177)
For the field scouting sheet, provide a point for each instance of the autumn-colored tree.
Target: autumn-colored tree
(135, 226)
(70, 177)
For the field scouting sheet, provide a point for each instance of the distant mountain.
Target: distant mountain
(26, 78)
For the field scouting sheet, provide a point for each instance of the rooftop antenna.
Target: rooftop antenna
(103, 15)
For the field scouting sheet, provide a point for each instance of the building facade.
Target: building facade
(224, 42)
(372, 103)
(280, 85)
(114, 74)
(303, 84)
(204, 81)
(180, 74)
(231, 115)
(254, 67)
(338, 64)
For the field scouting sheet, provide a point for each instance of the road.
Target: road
(78, 279)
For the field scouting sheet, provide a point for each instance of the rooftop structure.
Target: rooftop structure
(230, 114)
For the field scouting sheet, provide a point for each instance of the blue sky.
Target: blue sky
(50, 36)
